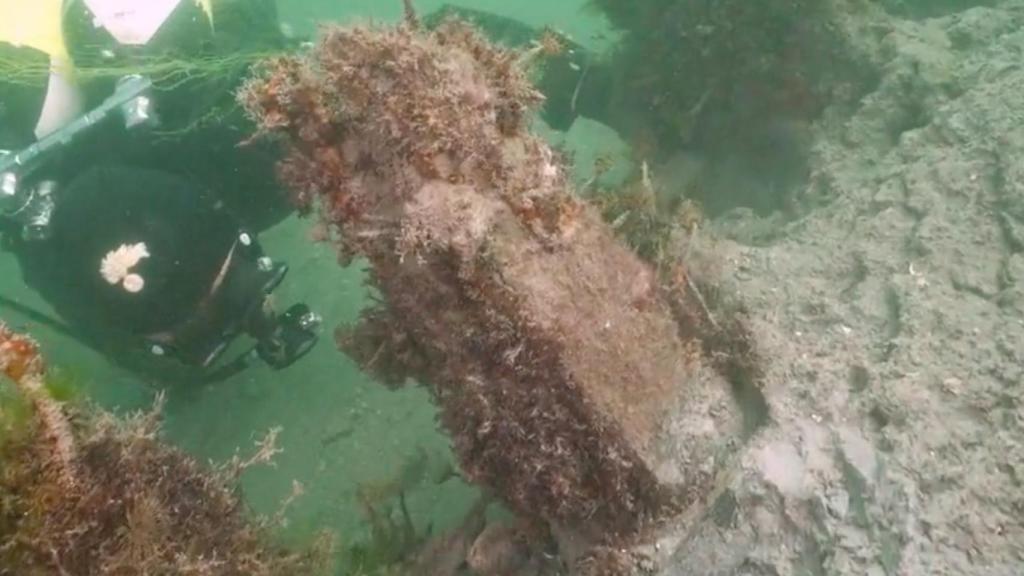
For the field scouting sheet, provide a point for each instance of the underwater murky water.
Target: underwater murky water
(777, 190)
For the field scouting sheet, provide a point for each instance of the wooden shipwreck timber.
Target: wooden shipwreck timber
(571, 380)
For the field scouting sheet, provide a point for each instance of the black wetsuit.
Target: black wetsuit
(189, 239)
(184, 187)
(186, 236)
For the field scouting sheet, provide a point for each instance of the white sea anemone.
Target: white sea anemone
(116, 267)
(133, 283)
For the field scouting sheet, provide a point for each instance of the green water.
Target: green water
(341, 430)
(800, 171)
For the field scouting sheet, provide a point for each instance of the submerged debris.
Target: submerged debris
(550, 346)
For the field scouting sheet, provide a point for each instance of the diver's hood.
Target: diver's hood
(131, 22)
(114, 33)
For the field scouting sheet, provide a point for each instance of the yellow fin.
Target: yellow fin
(206, 5)
(35, 24)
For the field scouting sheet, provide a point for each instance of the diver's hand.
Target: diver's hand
(296, 333)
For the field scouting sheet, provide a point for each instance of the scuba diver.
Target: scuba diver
(125, 198)
(124, 192)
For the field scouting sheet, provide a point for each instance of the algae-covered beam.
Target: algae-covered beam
(548, 345)
(99, 494)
